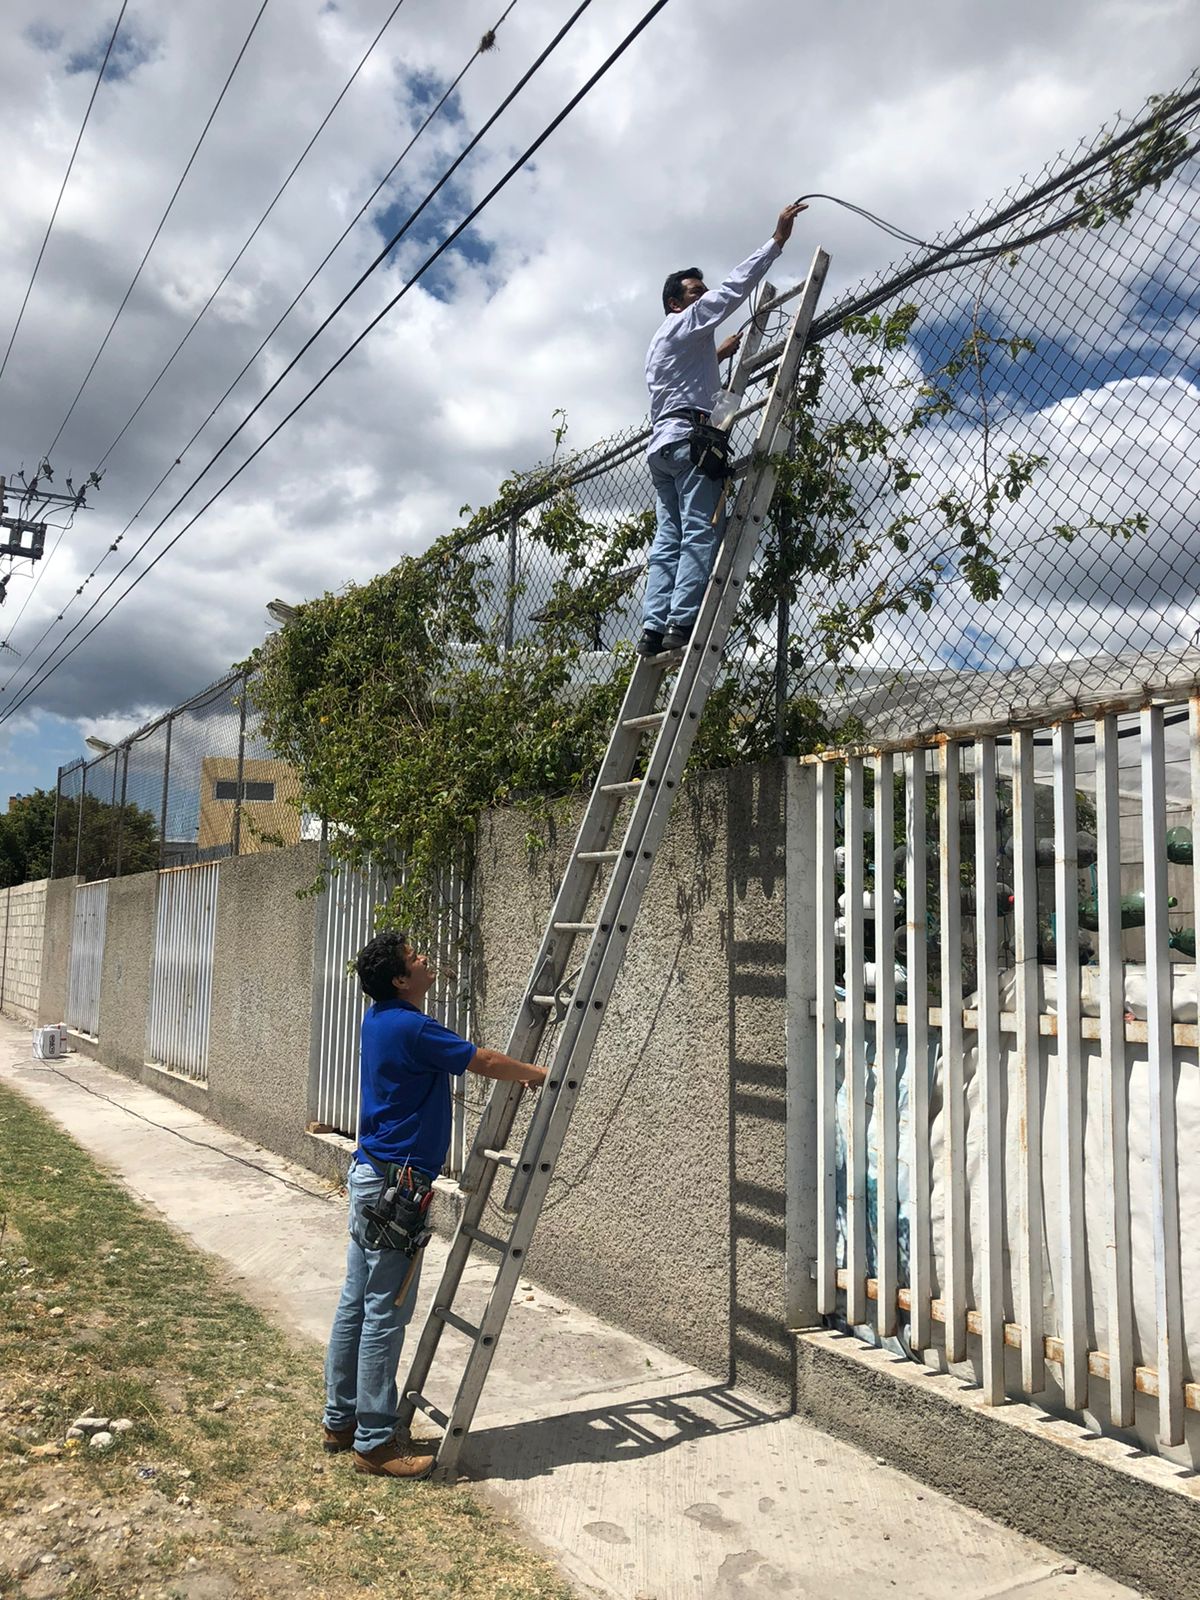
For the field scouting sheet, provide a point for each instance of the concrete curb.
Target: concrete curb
(1133, 1516)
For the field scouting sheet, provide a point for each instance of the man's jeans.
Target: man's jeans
(368, 1327)
(685, 541)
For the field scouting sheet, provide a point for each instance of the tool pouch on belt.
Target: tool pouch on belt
(710, 450)
(398, 1221)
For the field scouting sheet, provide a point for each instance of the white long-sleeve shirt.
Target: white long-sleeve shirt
(682, 372)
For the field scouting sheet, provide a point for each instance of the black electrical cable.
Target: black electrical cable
(161, 224)
(254, 232)
(486, 43)
(66, 176)
(559, 36)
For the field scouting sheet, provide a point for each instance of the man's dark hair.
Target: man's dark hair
(377, 963)
(673, 288)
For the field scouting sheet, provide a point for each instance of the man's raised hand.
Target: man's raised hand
(783, 228)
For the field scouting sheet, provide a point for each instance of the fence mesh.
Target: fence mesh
(990, 510)
(196, 785)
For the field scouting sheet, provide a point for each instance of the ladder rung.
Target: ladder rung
(549, 1001)
(453, 1321)
(503, 1158)
(488, 1240)
(652, 719)
(597, 855)
(574, 927)
(428, 1407)
(765, 357)
(621, 788)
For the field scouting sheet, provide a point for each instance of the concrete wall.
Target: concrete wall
(666, 1213)
(258, 1052)
(22, 922)
(56, 949)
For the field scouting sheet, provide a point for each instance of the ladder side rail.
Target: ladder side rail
(607, 947)
(574, 892)
(687, 700)
(574, 1053)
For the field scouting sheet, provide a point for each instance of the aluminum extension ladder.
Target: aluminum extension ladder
(684, 678)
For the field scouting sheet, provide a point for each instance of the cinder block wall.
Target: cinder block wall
(22, 923)
(666, 1212)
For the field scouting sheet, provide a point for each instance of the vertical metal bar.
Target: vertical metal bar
(917, 963)
(79, 830)
(162, 837)
(1070, 1070)
(987, 947)
(886, 1149)
(1164, 1158)
(4, 962)
(54, 853)
(1113, 1081)
(954, 1290)
(803, 1180)
(510, 595)
(856, 1051)
(121, 812)
(826, 1170)
(1029, 1067)
(235, 837)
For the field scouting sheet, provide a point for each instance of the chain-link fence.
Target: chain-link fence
(990, 510)
(195, 785)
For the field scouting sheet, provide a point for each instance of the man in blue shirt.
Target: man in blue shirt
(684, 378)
(408, 1060)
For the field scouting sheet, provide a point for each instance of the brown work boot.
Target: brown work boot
(337, 1439)
(395, 1459)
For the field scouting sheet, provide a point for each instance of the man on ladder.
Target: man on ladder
(684, 378)
(408, 1059)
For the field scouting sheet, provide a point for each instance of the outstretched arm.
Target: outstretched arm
(716, 304)
(495, 1064)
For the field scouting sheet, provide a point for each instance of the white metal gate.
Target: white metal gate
(87, 957)
(993, 1024)
(345, 921)
(181, 981)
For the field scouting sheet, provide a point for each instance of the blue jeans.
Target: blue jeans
(685, 540)
(368, 1327)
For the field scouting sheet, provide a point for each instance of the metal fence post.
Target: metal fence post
(54, 836)
(162, 829)
(783, 611)
(121, 809)
(235, 837)
(510, 591)
(79, 824)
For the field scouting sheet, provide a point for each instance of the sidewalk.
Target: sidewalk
(644, 1478)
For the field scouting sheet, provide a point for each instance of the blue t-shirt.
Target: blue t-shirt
(408, 1059)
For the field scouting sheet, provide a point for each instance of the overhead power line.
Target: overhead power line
(508, 99)
(196, 320)
(486, 43)
(66, 178)
(527, 155)
(161, 224)
(254, 232)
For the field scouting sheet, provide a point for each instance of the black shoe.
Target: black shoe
(650, 644)
(677, 636)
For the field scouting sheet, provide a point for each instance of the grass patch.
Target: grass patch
(220, 1488)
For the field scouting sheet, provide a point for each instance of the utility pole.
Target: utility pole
(26, 504)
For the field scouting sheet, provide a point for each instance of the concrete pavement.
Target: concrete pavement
(645, 1478)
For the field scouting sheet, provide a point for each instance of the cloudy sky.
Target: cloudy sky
(686, 150)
